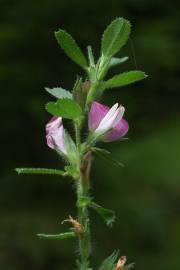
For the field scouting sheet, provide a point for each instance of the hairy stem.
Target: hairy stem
(84, 165)
(95, 76)
(82, 193)
(92, 92)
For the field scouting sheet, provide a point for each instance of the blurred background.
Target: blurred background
(145, 193)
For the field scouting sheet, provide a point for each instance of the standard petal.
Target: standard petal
(55, 134)
(117, 132)
(96, 114)
(53, 124)
(58, 138)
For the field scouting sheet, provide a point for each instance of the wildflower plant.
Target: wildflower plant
(82, 107)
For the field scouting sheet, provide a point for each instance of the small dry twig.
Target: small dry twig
(77, 226)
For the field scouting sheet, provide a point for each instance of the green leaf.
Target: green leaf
(102, 153)
(59, 92)
(57, 236)
(115, 36)
(65, 107)
(70, 47)
(124, 79)
(107, 214)
(117, 61)
(40, 171)
(110, 262)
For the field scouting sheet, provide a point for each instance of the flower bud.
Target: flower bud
(107, 122)
(55, 135)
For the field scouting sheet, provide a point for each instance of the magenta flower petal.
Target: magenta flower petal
(53, 124)
(55, 134)
(117, 132)
(96, 114)
(107, 122)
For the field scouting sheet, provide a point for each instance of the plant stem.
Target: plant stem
(84, 165)
(82, 192)
(78, 139)
(95, 76)
(91, 94)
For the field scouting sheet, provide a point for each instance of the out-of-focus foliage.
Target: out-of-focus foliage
(146, 192)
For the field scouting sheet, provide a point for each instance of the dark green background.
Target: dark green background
(145, 193)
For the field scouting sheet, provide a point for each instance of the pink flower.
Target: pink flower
(55, 134)
(108, 122)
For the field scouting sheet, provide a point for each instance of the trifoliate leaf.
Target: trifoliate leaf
(110, 262)
(59, 92)
(40, 171)
(117, 61)
(57, 236)
(115, 36)
(107, 214)
(70, 47)
(66, 108)
(124, 79)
